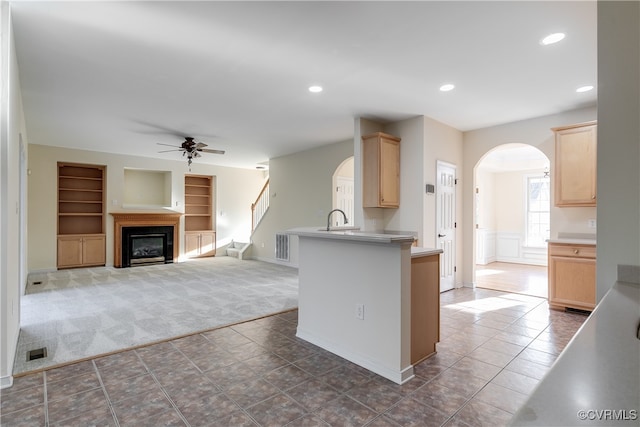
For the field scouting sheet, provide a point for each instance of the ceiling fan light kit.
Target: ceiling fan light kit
(192, 149)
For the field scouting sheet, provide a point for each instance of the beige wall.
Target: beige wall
(485, 200)
(442, 143)
(235, 190)
(301, 187)
(409, 216)
(536, 132)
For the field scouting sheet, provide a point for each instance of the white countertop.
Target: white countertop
(573, 241)
(420, 252)
(574, 238)
(598, 371)
(350, 234)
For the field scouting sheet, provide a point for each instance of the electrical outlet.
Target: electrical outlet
(360, 311)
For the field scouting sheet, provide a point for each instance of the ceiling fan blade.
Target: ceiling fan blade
(200, 145)
(166, 151)
(208, 150)
(168, 145)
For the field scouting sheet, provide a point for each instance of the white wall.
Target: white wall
(618, 140)
(235, 190)
(11, 130)
(301, 187)
(536, 132)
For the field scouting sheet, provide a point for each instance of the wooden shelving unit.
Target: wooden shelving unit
(200, 236)
(81, 219)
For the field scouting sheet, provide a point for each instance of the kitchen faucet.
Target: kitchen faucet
(329, 217)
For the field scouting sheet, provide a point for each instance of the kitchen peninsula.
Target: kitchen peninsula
(370, 298)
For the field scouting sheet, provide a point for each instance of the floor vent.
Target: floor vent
(282, 247)
(38, 353)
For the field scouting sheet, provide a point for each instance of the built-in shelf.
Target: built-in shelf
(81, 212)
(200, 236)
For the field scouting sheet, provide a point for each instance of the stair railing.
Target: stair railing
(259, 208)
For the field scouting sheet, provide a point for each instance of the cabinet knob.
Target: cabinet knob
(593, 197)
(576, 251)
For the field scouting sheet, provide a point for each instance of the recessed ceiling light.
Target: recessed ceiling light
(552, 38)
(315, 89)
(584, 89)
(447, 87)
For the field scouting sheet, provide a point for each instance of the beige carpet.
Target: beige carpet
(82, 313)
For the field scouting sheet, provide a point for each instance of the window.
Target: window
(538, 205)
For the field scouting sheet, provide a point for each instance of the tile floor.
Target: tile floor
(494, 349)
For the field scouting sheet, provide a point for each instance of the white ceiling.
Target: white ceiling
(124, 76)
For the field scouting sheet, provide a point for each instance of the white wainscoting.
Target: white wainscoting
(485, 246)
(492, 246)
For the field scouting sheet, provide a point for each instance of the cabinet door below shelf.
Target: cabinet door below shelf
(192, 244)
(572, 282)
(207, 243)
(200, 243)
(69, 251)
(93, 250)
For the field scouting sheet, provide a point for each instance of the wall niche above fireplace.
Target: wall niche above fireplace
(146, 189)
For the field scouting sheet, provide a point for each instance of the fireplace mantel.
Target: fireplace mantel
(134, 219)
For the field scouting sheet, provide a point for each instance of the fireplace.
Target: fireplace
(147, 245)
(145, 238)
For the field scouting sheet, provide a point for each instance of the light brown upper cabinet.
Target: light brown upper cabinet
(575, 168)
(81, 222)
(380, 171)
(199, 231)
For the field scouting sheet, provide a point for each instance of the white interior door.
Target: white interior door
(446, 223)
(344, 200)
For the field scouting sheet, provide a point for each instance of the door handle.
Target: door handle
(442, 235)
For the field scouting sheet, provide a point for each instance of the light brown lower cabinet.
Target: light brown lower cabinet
(200, 243)
(425, 306)
(81, 250)
(572, 276)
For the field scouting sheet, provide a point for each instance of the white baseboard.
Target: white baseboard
(6, 382)
(274, 261)
(397, 376)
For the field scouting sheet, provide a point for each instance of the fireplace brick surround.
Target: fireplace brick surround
(134, 219)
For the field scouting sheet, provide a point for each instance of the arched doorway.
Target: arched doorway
(512, 219)
(342, 191)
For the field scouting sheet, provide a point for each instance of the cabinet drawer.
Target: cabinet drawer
(582, 251)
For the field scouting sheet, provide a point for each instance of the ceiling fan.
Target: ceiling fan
(191, 149)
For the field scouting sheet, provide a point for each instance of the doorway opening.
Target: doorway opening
(512, 220)
(342, 192)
